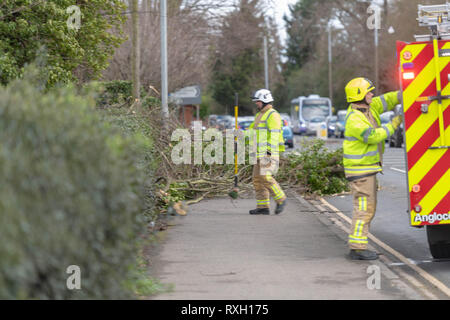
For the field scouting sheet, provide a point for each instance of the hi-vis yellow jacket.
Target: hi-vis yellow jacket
(362, 139)
(269, 134)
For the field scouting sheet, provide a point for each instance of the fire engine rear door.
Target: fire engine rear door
(424, 70)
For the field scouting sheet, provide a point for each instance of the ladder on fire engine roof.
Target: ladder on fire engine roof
(437, 18)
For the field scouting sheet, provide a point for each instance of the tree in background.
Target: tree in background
(71, 54)
(239, 58)
(136, 51)
(190, 28)
(305, 71)
(303, 31)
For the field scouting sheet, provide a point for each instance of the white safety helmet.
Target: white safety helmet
(263, 95)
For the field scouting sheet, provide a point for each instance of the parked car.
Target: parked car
(245, 122)
(225, 122)
(331, 125)
(288, 134)
(340, 124)
(212, 120)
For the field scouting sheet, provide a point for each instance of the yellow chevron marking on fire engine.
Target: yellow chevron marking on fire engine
(422, 81)
(424, 165)
(409, 95)
(420, 127)
(437, 193)
(425, 121)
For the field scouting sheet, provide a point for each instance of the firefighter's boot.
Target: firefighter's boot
(260, 211)
(280, 207)
(365, 254)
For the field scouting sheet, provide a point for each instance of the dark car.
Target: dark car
(243, 125)
(340, 124)
(331, 125)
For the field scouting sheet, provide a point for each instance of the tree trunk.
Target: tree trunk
(135, 54)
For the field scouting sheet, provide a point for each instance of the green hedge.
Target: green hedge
(115, 92)
(137, 125)
(119, 92)
(71, 193)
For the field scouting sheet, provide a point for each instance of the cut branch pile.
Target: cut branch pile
(189, 184)
(314, 169)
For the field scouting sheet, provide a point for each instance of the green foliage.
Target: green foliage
(150, 102)
(303, 33)
(205, 106)
(140, 282)
(315, 169)
(239, 78)
(137, 126)
(114, 92)
(238, 58)
(71, 194)
(119, 92)
(27, 25)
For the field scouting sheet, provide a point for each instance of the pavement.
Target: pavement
(220, 252)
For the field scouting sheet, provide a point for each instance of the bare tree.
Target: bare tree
(136, 52)
(191, 26)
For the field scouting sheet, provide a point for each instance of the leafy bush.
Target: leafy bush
(119, 92)
(71, 194)
(115, 92)
(149, 102)
(315, 169)
(137, 125)
(71, 54)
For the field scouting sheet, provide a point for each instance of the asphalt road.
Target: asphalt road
(391, 222)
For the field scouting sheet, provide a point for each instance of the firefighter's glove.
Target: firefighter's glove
(396, 121)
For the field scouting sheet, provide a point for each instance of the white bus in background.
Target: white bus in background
(308, 113)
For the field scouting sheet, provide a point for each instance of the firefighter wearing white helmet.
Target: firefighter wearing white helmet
(268, 130)
(363, 149)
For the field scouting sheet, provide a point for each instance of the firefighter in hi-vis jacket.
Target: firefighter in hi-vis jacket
(268, 130)
(363, 149)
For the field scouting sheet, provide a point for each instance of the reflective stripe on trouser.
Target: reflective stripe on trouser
(364, 193)
(265, 186)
